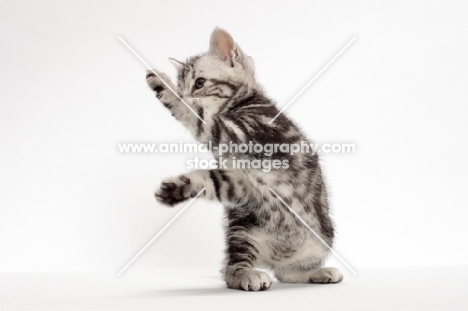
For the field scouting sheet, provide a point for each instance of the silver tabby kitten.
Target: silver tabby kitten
(260, 231)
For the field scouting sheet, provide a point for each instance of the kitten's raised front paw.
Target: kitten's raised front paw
(326, 275)
(155, 83)
(175, 190)
(249, 280)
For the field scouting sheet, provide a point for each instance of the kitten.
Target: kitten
(260, 231)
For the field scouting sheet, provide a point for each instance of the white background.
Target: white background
(70, 92)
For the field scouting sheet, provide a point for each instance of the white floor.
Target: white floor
(435, 288)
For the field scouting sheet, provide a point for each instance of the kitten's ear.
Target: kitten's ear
(176, 63)
(222, 44)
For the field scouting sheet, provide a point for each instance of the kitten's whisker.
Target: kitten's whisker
(313, 231)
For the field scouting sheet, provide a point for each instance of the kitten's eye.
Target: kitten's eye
(200, 83)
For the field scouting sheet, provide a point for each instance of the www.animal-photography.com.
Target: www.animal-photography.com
(207, 155)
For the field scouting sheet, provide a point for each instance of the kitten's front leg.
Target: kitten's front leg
(177, 189)
(170, 100)
(225, 186)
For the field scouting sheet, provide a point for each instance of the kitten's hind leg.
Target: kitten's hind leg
(320, 275)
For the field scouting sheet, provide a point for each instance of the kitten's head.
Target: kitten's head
(218, 75)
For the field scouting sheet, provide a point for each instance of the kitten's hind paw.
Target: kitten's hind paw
(174, 190)
(249, 280)
(326, 275)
